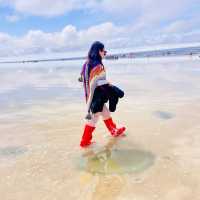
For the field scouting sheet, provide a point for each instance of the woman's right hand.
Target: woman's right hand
(80, 79)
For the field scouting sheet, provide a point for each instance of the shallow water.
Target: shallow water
(42, 119)
(118, 161)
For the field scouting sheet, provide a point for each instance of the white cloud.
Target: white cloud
(182, 25)
(143, 9)
(150, 22)
(12, 18)
(70, 39)
(140, 14)
(45, 7)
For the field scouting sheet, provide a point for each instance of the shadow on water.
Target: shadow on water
(163, 115)
(115, 161)
(12, 151)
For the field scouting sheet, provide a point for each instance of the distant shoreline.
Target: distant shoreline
(190, 51)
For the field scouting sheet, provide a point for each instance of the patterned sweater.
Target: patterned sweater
(92, 77)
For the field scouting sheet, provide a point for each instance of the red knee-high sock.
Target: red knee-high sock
(87, 136)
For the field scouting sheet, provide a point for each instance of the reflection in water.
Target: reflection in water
(110, 161)
(108, 187)
(41, 109)
(106, 166)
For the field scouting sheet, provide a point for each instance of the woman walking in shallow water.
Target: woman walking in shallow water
(98, 91)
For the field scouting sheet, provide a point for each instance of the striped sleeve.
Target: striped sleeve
(96, 74)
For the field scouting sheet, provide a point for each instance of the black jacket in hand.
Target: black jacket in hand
(103, 94)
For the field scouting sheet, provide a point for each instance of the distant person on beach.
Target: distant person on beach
(98, 91)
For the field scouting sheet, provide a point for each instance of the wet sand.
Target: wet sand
(40, 156)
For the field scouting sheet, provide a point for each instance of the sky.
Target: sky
(48, 26)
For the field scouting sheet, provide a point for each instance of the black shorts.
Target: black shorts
(102, 95)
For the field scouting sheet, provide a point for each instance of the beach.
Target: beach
(42, 119)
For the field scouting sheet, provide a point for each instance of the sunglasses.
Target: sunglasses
(105, 52)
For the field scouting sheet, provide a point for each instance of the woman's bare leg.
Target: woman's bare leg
(94, 120)
(105, 113)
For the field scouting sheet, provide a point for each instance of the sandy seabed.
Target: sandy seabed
(40, 158)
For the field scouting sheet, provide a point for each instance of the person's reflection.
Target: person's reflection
(101, 160)
(108, 185)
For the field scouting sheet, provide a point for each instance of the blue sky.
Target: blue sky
(80, 19)
(35, 27)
